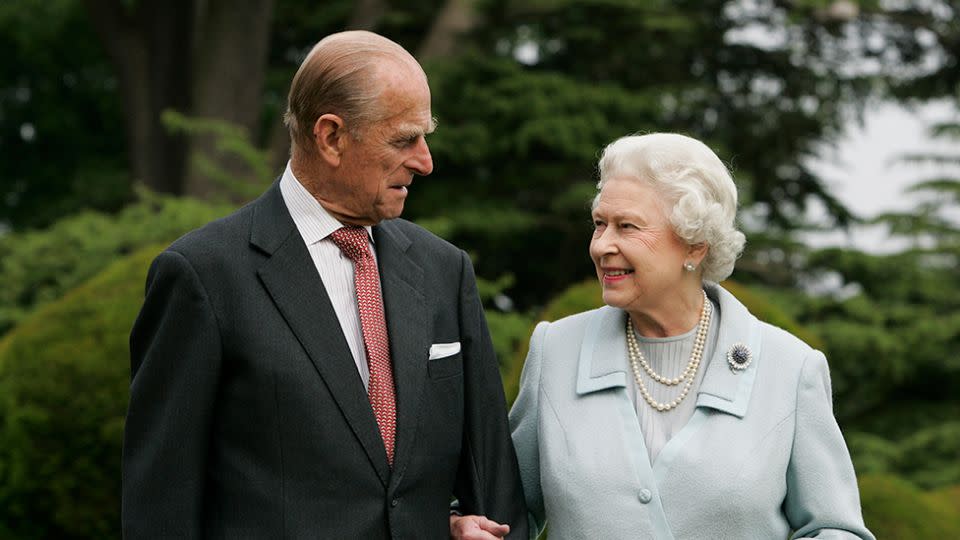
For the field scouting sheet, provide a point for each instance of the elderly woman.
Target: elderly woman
(672, 412)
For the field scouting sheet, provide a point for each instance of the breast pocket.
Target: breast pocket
(441, 418)
(448, 366)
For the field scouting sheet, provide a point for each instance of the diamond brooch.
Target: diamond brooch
(739, 357)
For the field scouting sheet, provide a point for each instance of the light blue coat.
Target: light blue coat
(761, 456)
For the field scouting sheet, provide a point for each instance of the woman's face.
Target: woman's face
(638, 257)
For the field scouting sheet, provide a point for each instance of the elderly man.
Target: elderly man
(310, 366)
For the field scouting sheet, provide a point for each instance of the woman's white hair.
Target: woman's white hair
(698, 194)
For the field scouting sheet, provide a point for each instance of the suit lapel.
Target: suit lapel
(401, 280)
(291, 279)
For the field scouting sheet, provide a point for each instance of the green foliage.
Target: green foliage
(926, 457)
(64, 376)
(230, 141)
(577, 298)
(509, 331)
(893, 343)
(680, 66)
(507, 328)
(896, 510)
(37, 267)
(61, 144)
(515, 153)
(769, 312)
(542, 86)
(892, 338)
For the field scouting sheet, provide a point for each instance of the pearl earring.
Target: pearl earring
(689, 266)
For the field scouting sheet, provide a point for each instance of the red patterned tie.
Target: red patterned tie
(352, 241)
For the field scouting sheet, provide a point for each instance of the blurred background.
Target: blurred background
(125, 123)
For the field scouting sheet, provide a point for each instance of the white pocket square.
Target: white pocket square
(443, 350)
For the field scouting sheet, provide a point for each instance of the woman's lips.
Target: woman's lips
(613, 275)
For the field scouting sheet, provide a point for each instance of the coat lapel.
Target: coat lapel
(291, 279)
(401, 280)
(722, 388)
(603, 352)
(601, 363)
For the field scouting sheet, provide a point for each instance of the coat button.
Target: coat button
(394, 502)
(644, 495)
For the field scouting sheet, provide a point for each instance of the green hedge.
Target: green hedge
(895, 509)
(580, 297)
(927, 457)
(37, 267)
(64, 379)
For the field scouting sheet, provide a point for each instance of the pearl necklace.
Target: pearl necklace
(637, 360)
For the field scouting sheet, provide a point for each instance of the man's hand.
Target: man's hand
(476, 528)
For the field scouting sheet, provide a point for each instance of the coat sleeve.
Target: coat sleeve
(524, 422)
(175, 357)
(488, 481)
(822, 498)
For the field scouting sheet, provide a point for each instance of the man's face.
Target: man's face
(377, 169)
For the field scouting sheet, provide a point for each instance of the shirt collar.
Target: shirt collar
(313, 220)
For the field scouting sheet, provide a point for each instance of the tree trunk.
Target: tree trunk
(150, 47)
(230, 57)
(366, 15)
(455, 19)
(207, 59)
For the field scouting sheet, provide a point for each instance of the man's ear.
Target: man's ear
(330, 138)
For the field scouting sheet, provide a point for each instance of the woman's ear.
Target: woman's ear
(329, 138)
(697, 252)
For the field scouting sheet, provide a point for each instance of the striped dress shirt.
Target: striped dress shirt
(336, 270)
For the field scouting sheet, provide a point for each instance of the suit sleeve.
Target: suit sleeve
(175, 357)
(488, 481)
(822, 498)
(524, 422)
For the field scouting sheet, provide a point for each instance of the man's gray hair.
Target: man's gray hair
(340, 76)
(697, 191)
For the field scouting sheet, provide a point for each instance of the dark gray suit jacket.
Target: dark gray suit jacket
(248, 418)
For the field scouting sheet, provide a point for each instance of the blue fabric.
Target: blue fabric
(761, 457)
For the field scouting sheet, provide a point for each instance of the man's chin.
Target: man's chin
(391, 212)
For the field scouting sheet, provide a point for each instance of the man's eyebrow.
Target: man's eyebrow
(412, 132)
(407, 133)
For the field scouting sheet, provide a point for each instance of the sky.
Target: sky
(862, 168)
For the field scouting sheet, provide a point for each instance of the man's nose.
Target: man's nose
(421, 162)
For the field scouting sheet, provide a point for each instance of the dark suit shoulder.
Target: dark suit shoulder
(421, 242)
(223, 233)
(219, 252)
(416, 233)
